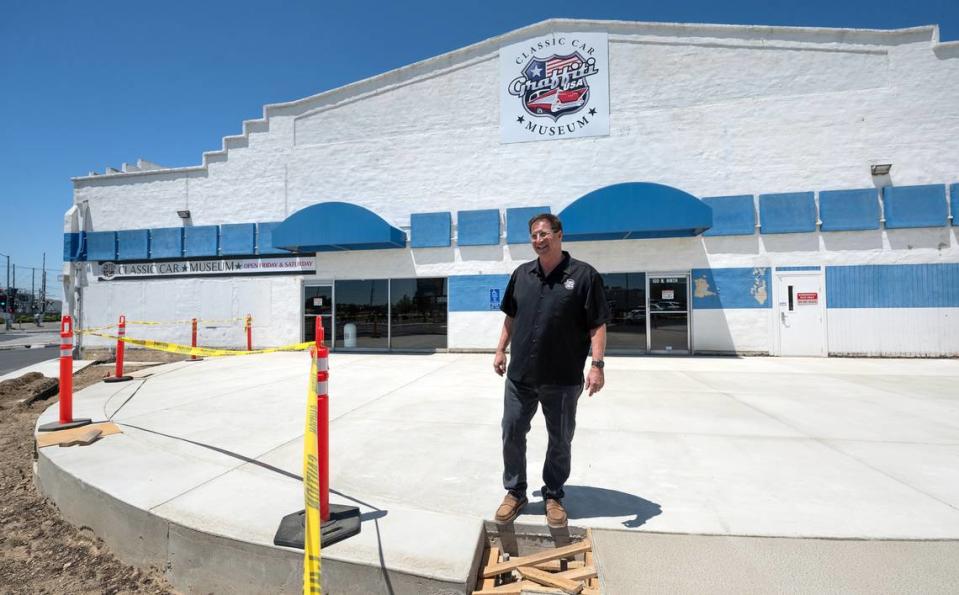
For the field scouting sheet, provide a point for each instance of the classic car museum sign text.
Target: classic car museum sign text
(554, 86)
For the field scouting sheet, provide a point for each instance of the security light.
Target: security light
(184, 214)
(880, 169)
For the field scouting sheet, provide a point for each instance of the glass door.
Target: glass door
(318, 301)
(668, 313)
(626, 294)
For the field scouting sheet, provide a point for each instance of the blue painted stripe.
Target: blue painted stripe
(133, 244)
(72, 247)
(848, 210)
(477, 228)
(166, 242)
(430, 230)
(476, 293)
(804, 268)
(200, 240)
(237, 238)
(264, 238)
(731, 288)
(101, 245)
(793, 212)
(893, 286)
(517, 223)
(732, 215)
(915, 206)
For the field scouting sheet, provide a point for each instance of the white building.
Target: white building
(732, 183)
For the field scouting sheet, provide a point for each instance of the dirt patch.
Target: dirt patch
(133, 355)
(39, 551)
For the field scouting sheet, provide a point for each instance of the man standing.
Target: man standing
(556, 311)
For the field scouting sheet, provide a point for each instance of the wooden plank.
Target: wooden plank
(551, 580)
(517, 588)
(87, 436)
(62, 436)
(492, 557)
(556, 565)
(594, 581)
(578, 574)
(544, 556)
(590, 592)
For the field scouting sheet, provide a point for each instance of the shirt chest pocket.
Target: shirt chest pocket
(566, 303)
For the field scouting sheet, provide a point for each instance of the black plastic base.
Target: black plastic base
(190, 359)
(117, 378)
(344, 522)
(53, 426)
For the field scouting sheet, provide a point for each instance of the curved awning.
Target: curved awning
(635, 210)
(336, 226)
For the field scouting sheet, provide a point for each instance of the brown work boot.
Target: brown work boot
(510, 508)
(555, 514)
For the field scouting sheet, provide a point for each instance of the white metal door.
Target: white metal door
(801, 313)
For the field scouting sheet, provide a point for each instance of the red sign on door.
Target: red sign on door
(810, 298)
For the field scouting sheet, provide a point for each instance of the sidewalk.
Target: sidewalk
(790, 474)
(30, 336)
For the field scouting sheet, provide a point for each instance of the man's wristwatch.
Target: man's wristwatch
(598, 364)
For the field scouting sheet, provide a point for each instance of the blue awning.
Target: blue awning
(336, 226)
(635, 210)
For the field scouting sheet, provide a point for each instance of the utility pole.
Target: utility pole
(43, 289)
(7, 318)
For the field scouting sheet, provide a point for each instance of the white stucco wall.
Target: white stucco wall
(894, 332)
(274, 303)
(709, 109)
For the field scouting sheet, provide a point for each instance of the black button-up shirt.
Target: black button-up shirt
(552, 317)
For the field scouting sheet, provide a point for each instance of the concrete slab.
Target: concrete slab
(765, 447)
(687, 564)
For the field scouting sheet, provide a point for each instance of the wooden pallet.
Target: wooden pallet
(549, 571)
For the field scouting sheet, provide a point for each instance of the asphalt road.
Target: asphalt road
(14, 359)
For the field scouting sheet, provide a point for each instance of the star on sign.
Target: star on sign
(520, 119)
(592, 111)
(536, 70)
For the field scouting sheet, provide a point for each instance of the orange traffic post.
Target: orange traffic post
(66, 420)
(323, 420)
(337, 521)
(121, 333)
(249, 333)
(193, 357)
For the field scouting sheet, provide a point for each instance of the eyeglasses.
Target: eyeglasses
(540, 235)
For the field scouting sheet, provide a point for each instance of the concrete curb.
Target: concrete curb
(196, 561)
(28, 346)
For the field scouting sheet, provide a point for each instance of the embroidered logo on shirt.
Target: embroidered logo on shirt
(570, 284)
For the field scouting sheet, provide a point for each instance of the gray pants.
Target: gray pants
(559, 408)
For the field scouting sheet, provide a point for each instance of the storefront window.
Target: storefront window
(361, 314)
(626, 293)
(418, 313)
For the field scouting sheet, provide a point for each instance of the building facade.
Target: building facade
(752, 190)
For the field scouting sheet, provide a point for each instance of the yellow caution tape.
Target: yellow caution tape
(312, 583)
(198, 351)
(169, 323)
(81, 331)
(176, 322)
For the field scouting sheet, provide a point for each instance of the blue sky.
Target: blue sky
(86, 85)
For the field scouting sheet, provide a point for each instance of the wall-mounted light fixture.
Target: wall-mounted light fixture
(880, 169)
(184, 214)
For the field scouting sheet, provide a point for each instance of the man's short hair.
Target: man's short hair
(554, 221)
